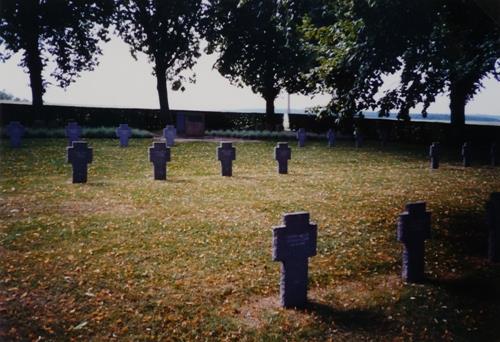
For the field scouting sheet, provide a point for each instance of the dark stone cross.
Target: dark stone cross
(330, 136)
(358, 137)
(493, 215)
(293, 244)
(169, 133)
(282, 153)
(15, 131)
(73, 132)
(493, 154)
(226, 153)
(435, 154)
(301, 136)
(466, 154)
(414, 227)
(159, 155)
(124, 133)
(79, 155)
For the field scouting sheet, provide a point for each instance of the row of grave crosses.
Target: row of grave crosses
(296, 240)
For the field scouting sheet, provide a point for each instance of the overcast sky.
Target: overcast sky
(121, 81)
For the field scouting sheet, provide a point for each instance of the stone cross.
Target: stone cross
(169, 133)
(73, 132)
(301, 136)
(15, 131)
(466, 154)
(159, 155)
(226, 153)
(293, 244)
(330, 136)
(124, 133)
(493, 215)
(435, 154)
(358, 137)
(414, 227)
(79, 155)
(493, 154)
(282, 153)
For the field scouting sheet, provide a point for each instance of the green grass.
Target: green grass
(128, 258)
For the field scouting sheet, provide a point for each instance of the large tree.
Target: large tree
(258, 45)
(66, 32)
(168, 33)
(438, 46)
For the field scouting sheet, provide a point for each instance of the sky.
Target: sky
(121, 81)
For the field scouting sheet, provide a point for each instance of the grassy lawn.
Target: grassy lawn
(128, 258)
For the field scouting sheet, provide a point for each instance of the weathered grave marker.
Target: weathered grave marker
(79, 155)
(493, 154)
(282, 153)
(301, 137)
(73, 132)
(15, 131)
(330, 136)
(226, 153)
(466, 154)
(293, 244)
(159, 155)
(493, 214)
(435, 155)
(414, 227)
(123, 132)
(358, 137)
(169, 133)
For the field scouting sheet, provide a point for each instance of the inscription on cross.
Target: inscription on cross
(493, 214)
(226, 153)
(435, 154)
(15, 131)
(330, 136)
(169, 133)
(466, 154)
(301, 137)
(282, 153)
(79, 155)
(73, 132)
(293, 243)
(123, 132)
(159, 155)
(414, 227)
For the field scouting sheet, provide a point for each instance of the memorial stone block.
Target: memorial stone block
(282, 153)
(123, 132)
(159, 155)
(358, 138)
(414, 227)
(226, 153)
(169, 133)
(73, 132)
(301, 137)
(435, 155)
(293, 243)
(79, 155)
(15, 131)
(466, 154)
(493, 215)
(330, 136)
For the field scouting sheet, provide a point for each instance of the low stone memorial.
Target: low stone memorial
(123, 132)
(159, 155)
(493, 215)
(358, 138)
(330, 136)
(493, 154)
(169, 133)
(226, 153)
(79, 155)
(282, 153)
(15, 131)
(435, 155)
(414, 227)
(293, 243)
(301, 137)
(73, 132)
(466, 154)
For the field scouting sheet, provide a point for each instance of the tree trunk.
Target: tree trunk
(458, 100)
(270, 113)
(161, 86)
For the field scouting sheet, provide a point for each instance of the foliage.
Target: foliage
(437, 46)
(256, 134)
(9, 97)
(87, 132)
(167, 32)
(65, 32)
(124, 257)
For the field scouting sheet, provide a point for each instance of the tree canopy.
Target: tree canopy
(168, 33)
(66, 32)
